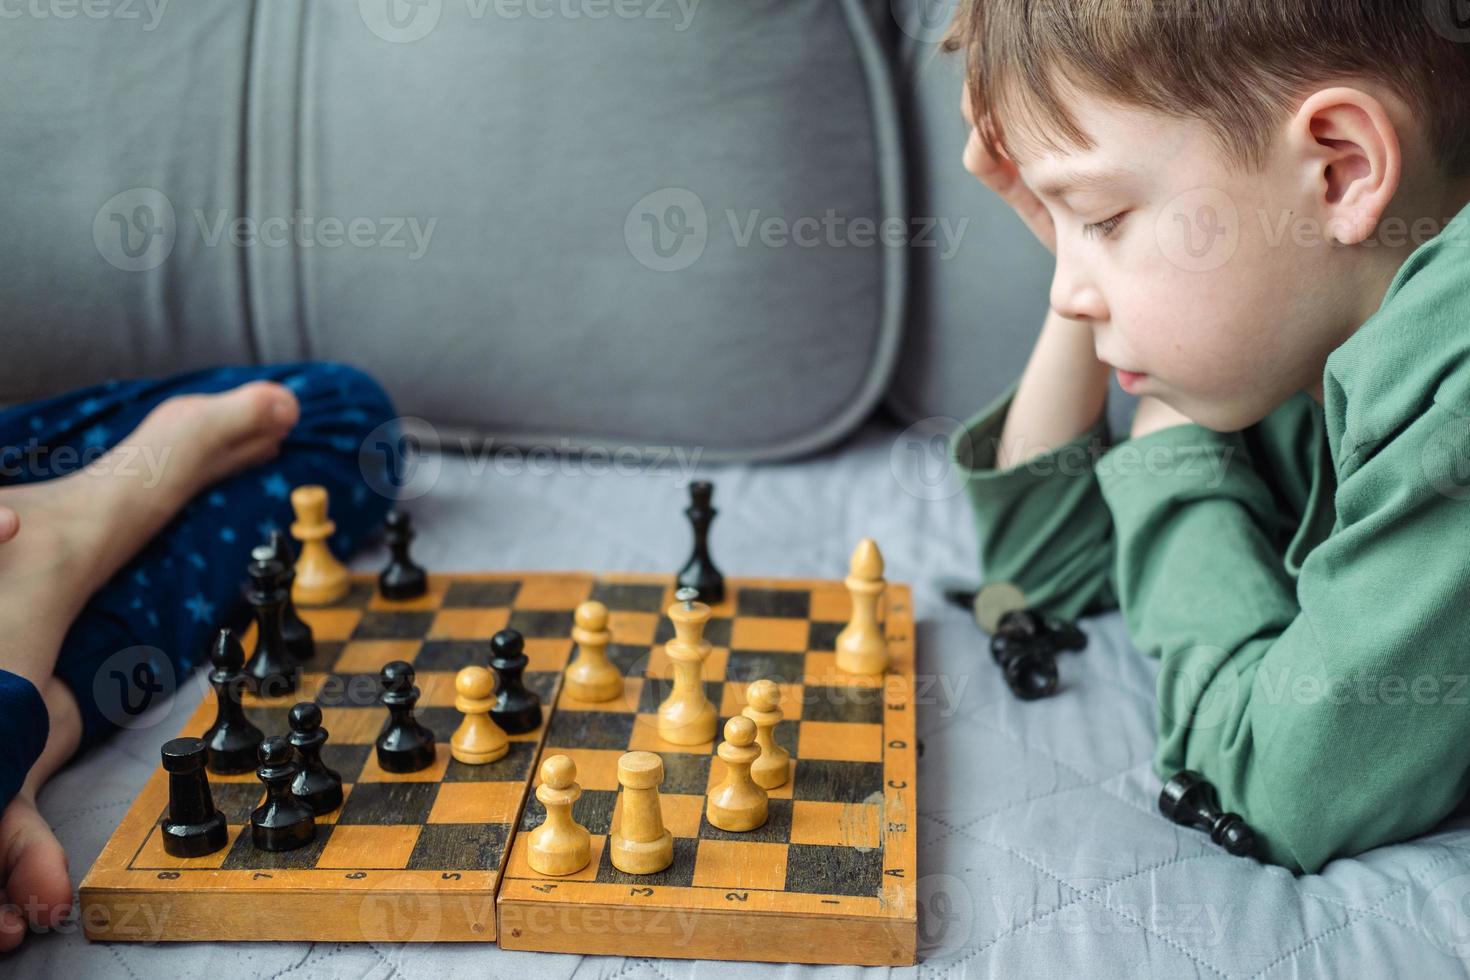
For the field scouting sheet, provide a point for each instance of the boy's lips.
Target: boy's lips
(1130, 381)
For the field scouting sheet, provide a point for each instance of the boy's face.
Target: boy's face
(1185, 265)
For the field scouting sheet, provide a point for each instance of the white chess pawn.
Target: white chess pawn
(560, 846)
(592, 677)
(737, 804)
(861, 646)
(773, 768)
(686, 716)
(320, 578)
(478, 739)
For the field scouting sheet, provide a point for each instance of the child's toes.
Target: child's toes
(9, 524)
(261, 408)
(37, 878)
(12, 925)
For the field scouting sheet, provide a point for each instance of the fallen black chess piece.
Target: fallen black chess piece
(1188, 800)
(1026, 644)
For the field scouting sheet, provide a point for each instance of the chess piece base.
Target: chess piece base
(634, 857)
(401, 587)
(769, 774)
(286, 838)
(861, 657)
(471, 758)
(322, 793)
(406, 760)
(195, 840)
(559, 854)
(593, 687)
(233, 757)
(736, 819)
(695, 730)
(322, 593)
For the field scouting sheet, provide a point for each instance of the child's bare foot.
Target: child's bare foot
(62, 540)
(35, 877)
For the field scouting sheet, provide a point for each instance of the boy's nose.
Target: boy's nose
(1076, 298)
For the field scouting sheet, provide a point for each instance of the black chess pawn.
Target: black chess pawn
(1026, 657)
(295, 630)
(233, 739)
(699, 572)
(282, 822)
(402, 579)
(193, 826)
(404, 745)
(316, 785)
(517, 710)
(272, 670)
(1034, 625)
(1189, 800)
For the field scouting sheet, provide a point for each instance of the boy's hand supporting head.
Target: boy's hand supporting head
(1229, 185)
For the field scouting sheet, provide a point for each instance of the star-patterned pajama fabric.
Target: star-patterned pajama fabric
(142, 633)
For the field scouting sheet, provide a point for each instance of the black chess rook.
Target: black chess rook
(282, 822)
(316, 785)
(699, 572)
(233, 739)
(517, 710)
(193, 826)
(404, 745)
(402, 579)
(272, 670)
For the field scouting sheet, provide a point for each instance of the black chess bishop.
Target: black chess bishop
(272, 670)
(233, 739)
(699, 572)
(294, 630)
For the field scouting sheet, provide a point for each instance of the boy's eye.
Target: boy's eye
(1104, 229)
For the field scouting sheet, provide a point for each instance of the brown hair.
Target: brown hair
(1237, 65)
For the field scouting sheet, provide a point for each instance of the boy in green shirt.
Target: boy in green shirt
(1258, 211)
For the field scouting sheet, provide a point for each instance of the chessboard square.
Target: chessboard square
(714, 668)
(821, 668)
(836, 740)
(245, 856)
(548, 653)
(436, 688)
(237, 801)
(776, 829)
(832, 603)
(459, 847)
(627, 701)
(388, 803)
(432, 598)
(589, 730)
(452, 655)
(837, 782)
(369, 656)
(344, 690)
(558, 592)
(372, 772)
(656, 690)
(467, 624)
(836, 824)
(476, 803)
(717, 631)
(641, 597)
(593, 810)
(347, 724)
(393, 626)
(364, 846)
(823, 636)
(272, 721)
(346, 759)
(440, 720)
(152, 855)
(542, 622)
(851, 705)
(733, 700)
(757, 633)
(752, 665)
(481, 595)
(596, 768)
(514, 767)
(682, 813)
(740, 864)
(326, 624)
(685, 773)
(680, 874)
(786, 603)
(543, 684)
(635, 628)
(814, 869)
(324, 654)
(645, 738)
(631, 659)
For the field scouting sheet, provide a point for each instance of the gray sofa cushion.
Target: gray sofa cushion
(479, 186)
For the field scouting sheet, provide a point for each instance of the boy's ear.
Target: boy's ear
(1349, 148)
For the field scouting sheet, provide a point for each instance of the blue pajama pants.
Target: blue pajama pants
(146, 629)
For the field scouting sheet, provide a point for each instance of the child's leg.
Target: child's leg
(158, 602)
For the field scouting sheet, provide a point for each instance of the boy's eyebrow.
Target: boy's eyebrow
(1074, 180)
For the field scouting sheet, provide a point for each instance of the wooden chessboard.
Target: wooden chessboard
(421, 857)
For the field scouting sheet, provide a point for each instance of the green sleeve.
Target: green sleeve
(1043, 524)
(1330, 712)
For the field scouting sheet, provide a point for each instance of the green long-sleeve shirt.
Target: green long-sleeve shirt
(1305, 582)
